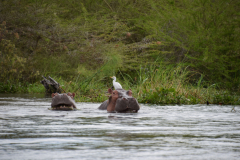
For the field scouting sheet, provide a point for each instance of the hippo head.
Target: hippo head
(120, 101)
(63, 101)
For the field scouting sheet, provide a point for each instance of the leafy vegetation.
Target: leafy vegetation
(168, 51)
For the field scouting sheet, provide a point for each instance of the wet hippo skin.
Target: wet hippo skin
(63, 101)
(120, 101)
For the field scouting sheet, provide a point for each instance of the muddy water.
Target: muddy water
(28, 130)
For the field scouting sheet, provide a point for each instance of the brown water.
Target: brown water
(29, 130)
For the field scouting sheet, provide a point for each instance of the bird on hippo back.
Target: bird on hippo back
(116, 84)
(120, 100)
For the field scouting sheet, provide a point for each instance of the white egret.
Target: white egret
(116, 84)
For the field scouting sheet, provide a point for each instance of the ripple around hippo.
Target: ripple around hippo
(120, 101)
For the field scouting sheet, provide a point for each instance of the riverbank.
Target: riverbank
(145, 93)
(179, 52)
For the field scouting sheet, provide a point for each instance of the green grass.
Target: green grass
(168, 51)
(35, 88)
(156, 84)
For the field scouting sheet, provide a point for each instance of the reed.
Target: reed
(196, 44)
(164, 84)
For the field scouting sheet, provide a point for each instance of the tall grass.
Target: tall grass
(159, 83)
(84, 42)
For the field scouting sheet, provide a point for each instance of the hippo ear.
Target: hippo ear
(71, 94)
(54, 94)
(129, 92)
(110, 90)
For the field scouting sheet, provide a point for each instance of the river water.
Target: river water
(28, 130)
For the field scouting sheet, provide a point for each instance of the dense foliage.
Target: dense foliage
(84, 42)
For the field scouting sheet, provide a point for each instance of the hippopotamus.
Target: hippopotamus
(63, 101)
(120, 101)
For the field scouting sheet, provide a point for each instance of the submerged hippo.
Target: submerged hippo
(120, 101)
(63, 101)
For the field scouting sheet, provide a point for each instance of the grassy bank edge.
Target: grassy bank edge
(189, 94)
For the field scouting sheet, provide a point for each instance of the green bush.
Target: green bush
(148, 44)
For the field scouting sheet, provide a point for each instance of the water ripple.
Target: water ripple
(30, 131)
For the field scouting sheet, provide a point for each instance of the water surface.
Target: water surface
(28, 130)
